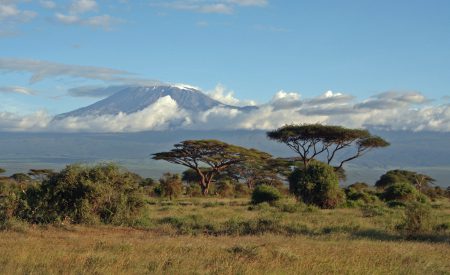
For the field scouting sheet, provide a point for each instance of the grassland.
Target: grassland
(227, 236)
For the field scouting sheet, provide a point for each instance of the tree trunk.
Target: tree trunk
(204, 185)
(204, 190)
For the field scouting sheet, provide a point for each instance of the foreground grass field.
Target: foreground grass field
(212, 236)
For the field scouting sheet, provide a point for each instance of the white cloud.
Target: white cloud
(285, 100)
(34, 122)
(215, 8)
(41, 70)
(210, 6)
(47, 4)
(17, 90)
(284, 108)
(10, 12)
(67, 18)
(75, 15)
(101, 21)
(257, 3)
(82, 6)
(221, 94)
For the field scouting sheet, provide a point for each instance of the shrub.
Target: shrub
(360, 194)
(288, 206)
(10, 196)
(373, 210)
(224, 188)
(82, 194)
(318, 184)
(401, 191)
(171, 185)
(417, 219)
(265, 193)
(193, 190)
(420, 181)
(241, 190)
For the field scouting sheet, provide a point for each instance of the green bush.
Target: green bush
(224, 188)
(318, 184)
(83, 194)
(418, 219)
(171, 185)
(288, 206)
(401, 191)
(265, 193)
(10, 197)
(193, 190)
(360, 194)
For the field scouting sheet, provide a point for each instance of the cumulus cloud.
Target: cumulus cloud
(67, 18)
(9, 11)
(34, 122)
(286, 100)
(161, 115)
(411, 112)
(105, 21)
(75, 15)
(221, 94)
(82, 6)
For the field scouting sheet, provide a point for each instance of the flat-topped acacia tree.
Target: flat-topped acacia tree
(312, 140)
(214, 155)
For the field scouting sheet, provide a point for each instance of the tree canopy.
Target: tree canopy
(264, 170)
(312, 140)
(420, 181)
(215, 155)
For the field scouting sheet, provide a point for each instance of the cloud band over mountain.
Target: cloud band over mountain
(390, 110)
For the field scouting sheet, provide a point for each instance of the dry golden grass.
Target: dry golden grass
(105, 250)
(341, 241)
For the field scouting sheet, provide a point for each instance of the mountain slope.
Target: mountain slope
(131, 99)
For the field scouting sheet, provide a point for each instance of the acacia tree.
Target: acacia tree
(312, 140)
(263, 170)
(214, 154)
(420, 181)
(171, 185)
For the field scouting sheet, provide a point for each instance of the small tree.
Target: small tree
(420, 181)
(171, 185)
(418, 219)
(311, 140)
(400, 191)
(215, 155)
(262, 170)
(318, 184)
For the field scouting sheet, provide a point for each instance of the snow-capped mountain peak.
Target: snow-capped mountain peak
(132, 98)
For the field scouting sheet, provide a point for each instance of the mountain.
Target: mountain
(130, 99)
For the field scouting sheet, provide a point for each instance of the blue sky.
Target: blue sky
(253, 47)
